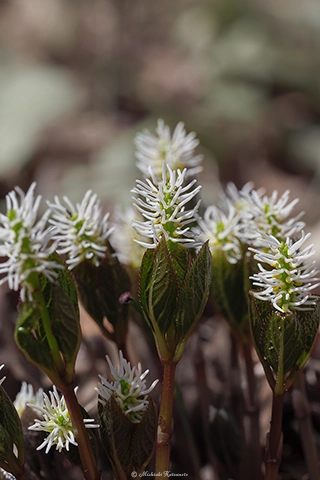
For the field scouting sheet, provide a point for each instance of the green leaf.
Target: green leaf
(294, 332)
(10, 432)
(30, 337)
(129, 446)
(116, 432)
(158, 287)
(144, 439)
(181, 261)
(195, 292)
(61, 302)
(228, 292)
(100, 288)
(145, 277)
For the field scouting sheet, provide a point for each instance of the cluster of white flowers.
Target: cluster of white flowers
(163, 204)
(177, 150)
(223, 230)
(127, 386)
(269, 215)
(25, 242)
(289, 281)
(81, 229)
(55, 420)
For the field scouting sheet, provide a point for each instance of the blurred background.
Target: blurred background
(79, 79)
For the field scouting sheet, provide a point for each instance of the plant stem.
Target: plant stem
(165, 418)
(302, 414)
(274, 439)
(253, 411)
(204, 400)
(89, 464)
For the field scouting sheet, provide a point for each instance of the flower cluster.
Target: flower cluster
(269, 215)
(56, 422)
(163, 204)
(245, 216)
(289, 278)
(223, 230)
(25, 242)
(177, 150)
(81, 229)
(128, 387)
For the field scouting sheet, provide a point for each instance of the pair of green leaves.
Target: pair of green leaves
(60, 303)
(129, 445)
(173, 291)
(283, 341)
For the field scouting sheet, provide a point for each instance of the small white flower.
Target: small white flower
(289, 281)
(163, 205)
(222, 231)
(128, 387)
(27, 395)
(56, 422)
(128, 251)
(3, 378)
(81, 229)
(176, 150)
(25, 242)
(270, 216)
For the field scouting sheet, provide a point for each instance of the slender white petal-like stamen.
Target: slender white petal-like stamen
(163, 204)
(81, 230)
(177, 150)
(55, 420)
(25, 242)
(223, 231)
(128, 387)
(3, 378)
(25, 396)
(289, 281)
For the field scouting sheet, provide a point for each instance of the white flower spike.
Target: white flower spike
(128, 387)
(27, 396)
(81, 229)
(26, 242)
(56, 422)
(223, 232)
(176, 150)
(289, 281)
(163, 205)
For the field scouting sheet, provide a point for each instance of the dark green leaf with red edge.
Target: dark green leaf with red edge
(271, 329)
